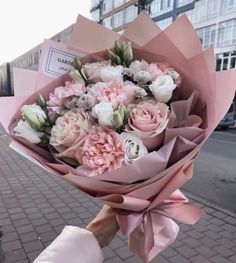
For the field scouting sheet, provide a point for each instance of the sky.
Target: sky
(26, 23)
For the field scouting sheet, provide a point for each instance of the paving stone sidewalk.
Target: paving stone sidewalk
(35, 206)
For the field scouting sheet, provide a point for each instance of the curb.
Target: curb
(210, 204)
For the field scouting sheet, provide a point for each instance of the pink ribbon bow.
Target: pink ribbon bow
(152, 230)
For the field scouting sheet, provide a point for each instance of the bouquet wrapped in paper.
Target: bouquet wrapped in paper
(125, 122)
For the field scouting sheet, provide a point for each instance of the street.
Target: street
(215, 171)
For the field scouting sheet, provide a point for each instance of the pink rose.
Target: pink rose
(57, 99)
(114, 92)
(103, 150)
(148, 121)
(69, 131)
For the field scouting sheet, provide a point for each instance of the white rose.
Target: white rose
(103, 111)
(35, 116)
(137, 66)
(24, 130)
(162, 88)
(111, 73)
(134, 148)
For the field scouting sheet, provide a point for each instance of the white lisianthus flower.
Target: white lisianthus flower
(134, 148)
(162, 88)
(35, 116)
(75, 75)
(24, 130)
(110, 73)
(103, 111)
(137, 66)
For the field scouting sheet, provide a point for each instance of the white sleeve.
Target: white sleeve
(74, 245)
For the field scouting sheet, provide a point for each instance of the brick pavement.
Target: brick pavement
(35, 206)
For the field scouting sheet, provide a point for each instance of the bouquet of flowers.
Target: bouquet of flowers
(127, 122)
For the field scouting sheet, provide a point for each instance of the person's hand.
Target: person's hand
(104, 226)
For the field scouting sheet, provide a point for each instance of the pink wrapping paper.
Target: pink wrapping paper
(146, 193)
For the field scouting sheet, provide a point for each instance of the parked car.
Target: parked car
(229, 118)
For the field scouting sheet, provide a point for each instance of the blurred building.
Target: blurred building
(214, 20)
(117, 14)
(29, 60)
(5, 81)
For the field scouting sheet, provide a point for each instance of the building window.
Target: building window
(204, 9)
(228, 6)
(94, 3)
(107, 22)
(118, 19)
(107, 6)
(96, 15)
(227, 33)
(30, 60)
(130, 13)
(118, 3)
(36, 58)
(207, 36)
(183, 2)
(159, 7)
(164, 23)
(226, 61)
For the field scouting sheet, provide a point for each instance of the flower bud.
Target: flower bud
(35, 116)
(111, 55)
(128, 54)
(24, 130)
(122, 111)
(117, 120)
(77, 64)
(76, 76)
(42, 102)
(118, 48)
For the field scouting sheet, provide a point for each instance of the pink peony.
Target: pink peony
(57, 99)
(103, 150)
(148, 120)
(114, 92)
(69, 131)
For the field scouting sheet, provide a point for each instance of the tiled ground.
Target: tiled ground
(35, 206)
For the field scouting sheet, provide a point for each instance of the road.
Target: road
(215, 171)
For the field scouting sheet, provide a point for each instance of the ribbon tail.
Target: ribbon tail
(187, 214)
(165, 233)
(152, 236)
(141, 240)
